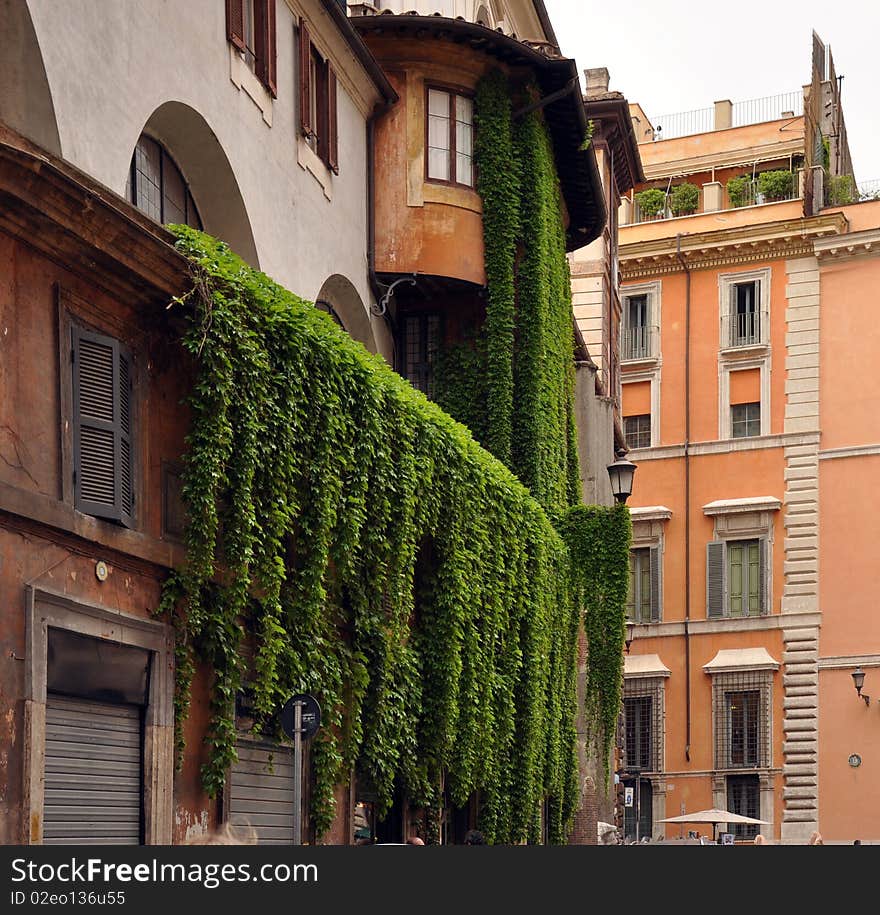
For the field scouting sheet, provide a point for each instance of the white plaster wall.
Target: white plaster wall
(111, 63)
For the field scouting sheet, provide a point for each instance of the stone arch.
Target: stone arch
(25, 98)
(339, 293)
(195, 148)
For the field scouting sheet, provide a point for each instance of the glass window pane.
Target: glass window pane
(464, 171)
(735, 572)
(438, 164)
(147, 176)
(438, 103)
(173, 193)
(438, 133)
(464, 109)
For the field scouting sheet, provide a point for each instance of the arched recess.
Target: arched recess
(25, 98)
(341, 295)
(200, 157)
(484, 17)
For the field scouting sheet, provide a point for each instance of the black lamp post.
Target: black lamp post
(621, 473)
(858, 676)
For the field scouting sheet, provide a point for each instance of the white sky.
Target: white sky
(677, 55)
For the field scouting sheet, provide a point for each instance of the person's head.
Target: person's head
(857, 841)
(816, 839)
(414, 840)
(474, 837)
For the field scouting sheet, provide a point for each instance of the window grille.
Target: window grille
(744, 798)
(745, 420)
(637, 430)
(643, 724)
(421, 350)
(741, 711)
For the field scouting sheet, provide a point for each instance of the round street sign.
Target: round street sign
(311, 715)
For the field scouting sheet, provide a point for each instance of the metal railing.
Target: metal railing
(869, 190)
(769, 108)
(684, 123)
(744, 329)
(639, 343)
(750, 111)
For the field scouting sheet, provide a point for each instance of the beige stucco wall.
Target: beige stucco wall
(109, 66)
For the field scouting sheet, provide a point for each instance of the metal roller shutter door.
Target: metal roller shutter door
(94, 754)
(261, 791)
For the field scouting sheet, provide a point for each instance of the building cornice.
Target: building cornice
(737, 245)
(854, 244)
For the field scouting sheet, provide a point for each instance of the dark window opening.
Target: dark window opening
(157, 187)
(744, 798)
(421, 349)
(637, 430)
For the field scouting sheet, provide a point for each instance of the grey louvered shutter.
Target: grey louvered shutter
(759, 317)
(762, 573)
(732, 321)
(655, 584)
(102, 419)
(715, 579)
(261, 789)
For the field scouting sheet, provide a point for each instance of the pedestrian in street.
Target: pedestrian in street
(415, 840)
(857, 841)
(474, 837)
(816, 839)
(761, 840)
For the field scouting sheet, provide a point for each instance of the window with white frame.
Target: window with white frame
(450, 143)
(640, 331)
(745, 420)
(744, 300)
(643, 724)
(741, 711)
(643, 598)
(736, 578)
(637, 430)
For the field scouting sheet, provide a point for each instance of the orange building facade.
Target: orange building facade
(749, 406)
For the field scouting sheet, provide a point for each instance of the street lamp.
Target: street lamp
(858, 676)
(621, 473)
(630, 634)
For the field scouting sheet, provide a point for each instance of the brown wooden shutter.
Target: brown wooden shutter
(305, 58)
(655, 584)
(715, 579)
(235, 23)
(332, 127)
(264, 26)
(102, 442)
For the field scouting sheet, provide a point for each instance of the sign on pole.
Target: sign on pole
(300, 719)
(627, 797)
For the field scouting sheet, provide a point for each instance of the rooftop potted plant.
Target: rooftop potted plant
(739, 191)
(684, 199)
(776, 185)
(651, 202)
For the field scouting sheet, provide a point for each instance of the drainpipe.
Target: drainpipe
(687, 495)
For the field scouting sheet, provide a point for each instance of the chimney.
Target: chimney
(597, 81)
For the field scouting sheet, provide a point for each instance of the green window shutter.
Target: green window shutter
(631, 592)
(763, 583)
(715, 579)
(735, 574)
(102, 443)
(754, 578)
(655, 584)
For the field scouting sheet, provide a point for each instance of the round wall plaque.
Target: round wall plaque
(855, 760)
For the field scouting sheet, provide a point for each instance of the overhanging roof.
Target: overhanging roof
(566, 118)
(736, 659)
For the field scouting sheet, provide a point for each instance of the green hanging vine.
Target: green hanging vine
(598, 541)
(348, 539)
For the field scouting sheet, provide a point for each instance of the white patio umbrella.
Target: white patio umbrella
(714, 816)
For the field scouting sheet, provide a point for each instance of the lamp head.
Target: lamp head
(621, 474)
(858, 676)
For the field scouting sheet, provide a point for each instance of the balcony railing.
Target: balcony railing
(639, 343)
(744, 329)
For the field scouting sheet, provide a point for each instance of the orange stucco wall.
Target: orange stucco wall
(423, 226)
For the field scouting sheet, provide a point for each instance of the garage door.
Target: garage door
(94, 754)
(261, 792)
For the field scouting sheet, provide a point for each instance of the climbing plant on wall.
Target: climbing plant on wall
(349, 539)
(598, 540)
